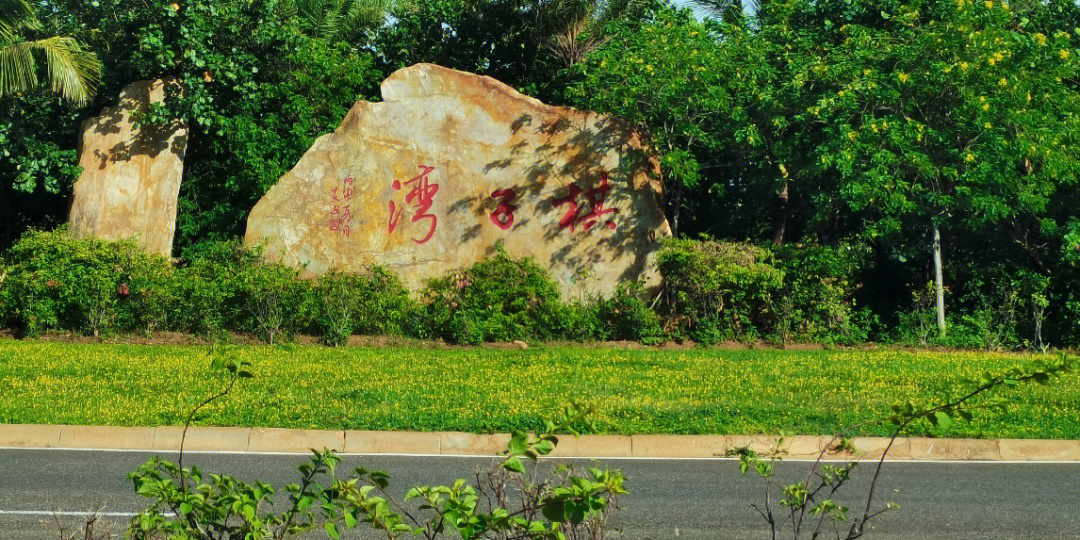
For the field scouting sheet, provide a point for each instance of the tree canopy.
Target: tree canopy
(824, 123)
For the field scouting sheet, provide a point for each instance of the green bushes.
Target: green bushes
(54, 281)
(713, 292)
(719, 290)
(372, 303)
(497, 299)
(57, 282)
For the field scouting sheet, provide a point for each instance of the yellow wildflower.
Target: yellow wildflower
(1003, 82)
(986, 107)
(988, 4)
(1040, 38)
(963, 66)
(903, 77)
(851, 135)
(969, 157)
(1064, 54)
(987, 125)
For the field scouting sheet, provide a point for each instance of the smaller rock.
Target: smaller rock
(521, 344)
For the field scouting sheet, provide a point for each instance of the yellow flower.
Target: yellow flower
(1029, 97)
(988, 4)
(969, 157)
(866, 72)
(963, 66)
(986, 107)
(903, 77)
(1063, 54)
(1003, 82)
(987, 125)
(991, 61)
(851, 135)
(1040, 38)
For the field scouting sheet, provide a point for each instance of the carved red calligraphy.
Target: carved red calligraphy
(341, 214)
(421, 197)
(503, 216)
(596, 198)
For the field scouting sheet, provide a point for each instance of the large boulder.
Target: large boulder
(131, 174)
(448, 165)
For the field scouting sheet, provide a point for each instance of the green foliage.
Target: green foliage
(722, 289)
(555, 506)
(817, 299)
(496, 299)
(373, 304)
(55, 281)
(812, 505)
(628, 315)
(73, 71)
(664, 74)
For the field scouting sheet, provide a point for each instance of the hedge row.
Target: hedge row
(52, 281)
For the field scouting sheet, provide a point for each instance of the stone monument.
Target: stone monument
(131, 174)
(448, 165)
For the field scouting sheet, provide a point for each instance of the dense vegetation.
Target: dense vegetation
(821, 142)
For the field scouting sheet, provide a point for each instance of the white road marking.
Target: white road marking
(476, 456)
(58, 513)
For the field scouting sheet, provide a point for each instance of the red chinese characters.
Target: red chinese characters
(596, 198)
(421, 197)
(341, 214)
(503, 216)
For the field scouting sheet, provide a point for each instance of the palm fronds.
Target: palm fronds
(73, 71)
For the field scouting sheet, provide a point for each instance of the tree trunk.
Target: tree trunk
(781, 216)
(938, 282)
(676, 205)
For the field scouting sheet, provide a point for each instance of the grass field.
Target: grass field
(491, 390)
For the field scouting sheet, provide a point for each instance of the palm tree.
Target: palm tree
(340, 20)
(577, 25)
(73, 71)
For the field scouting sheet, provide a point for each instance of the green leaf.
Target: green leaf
(332, 530)
(944, 421)
(513, 464)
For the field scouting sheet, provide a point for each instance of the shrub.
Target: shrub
(372, 303)
(273, 298)
(816, 300)
(56, 281)
(209, 286)
(627, 315)
(496, 299)
(719, 290)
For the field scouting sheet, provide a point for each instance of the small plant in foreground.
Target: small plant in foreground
(508, 500)
(810, 507)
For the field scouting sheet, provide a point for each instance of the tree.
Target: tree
(73, 71)
(341, 20)
(949, 115)
(666, 75)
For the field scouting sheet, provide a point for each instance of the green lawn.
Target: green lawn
(490, 390)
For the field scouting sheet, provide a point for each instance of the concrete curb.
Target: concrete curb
(266, 440)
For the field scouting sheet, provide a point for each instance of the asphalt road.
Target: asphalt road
(669, 498)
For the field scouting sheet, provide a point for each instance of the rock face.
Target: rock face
(131, 175)
(449, 165)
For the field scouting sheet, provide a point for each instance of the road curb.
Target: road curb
(274, 440)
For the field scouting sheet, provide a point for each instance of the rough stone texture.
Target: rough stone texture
(451, 163)
(131, 175)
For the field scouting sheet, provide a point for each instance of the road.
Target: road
(669, 498)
